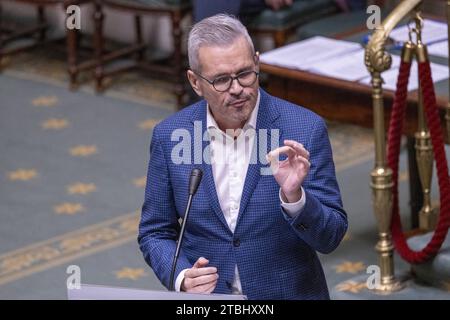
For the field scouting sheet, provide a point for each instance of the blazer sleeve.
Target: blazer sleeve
(159, 227)
(323, 222)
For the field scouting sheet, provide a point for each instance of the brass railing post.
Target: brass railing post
(424, 155)
(381, 179)
(428, 216)
(377, 61)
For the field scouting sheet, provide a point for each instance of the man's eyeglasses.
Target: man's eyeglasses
(223, 83)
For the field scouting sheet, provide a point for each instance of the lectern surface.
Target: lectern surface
(97, 292)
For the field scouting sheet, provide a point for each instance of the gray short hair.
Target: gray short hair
(219, 30)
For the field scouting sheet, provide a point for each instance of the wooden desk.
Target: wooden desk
(340, 100)
(351, 102)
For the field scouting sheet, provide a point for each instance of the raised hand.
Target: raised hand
(291, 172)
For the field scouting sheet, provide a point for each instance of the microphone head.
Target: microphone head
(194, 180)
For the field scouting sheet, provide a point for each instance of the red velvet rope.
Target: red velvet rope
(395, 133)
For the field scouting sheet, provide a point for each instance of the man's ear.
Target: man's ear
(194, 81)
(257, 60)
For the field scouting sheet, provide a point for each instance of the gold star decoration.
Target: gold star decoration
(77, 243)
(68, 208)
(45, 101)
(130, 273)
(81, 188)
(351, 286)
(83, 150)
(55, 124)
(350, 267)
(22, 174)
(140, 182)
(131, 225)
(148, 124)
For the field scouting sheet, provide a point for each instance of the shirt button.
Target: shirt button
(236, 242)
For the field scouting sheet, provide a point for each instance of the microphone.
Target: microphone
(194, 182)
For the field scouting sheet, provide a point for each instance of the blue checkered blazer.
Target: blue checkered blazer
(276, 255)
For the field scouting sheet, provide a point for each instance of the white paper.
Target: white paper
(350, 66)
(438, 73)
(301, 55)
(432, 31)
(439, 49)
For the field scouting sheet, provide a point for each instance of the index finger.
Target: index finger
(201, 262)
(197, 272)
(274, 154)
(298, 147)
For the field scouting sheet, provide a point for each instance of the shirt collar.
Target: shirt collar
(251, 122)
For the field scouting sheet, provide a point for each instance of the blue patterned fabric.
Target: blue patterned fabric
(276, 256)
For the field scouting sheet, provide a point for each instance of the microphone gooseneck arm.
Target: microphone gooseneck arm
(194, 182)
(179, 243)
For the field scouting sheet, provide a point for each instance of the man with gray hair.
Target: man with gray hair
(248, 233)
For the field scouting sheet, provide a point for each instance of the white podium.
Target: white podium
(97, 292)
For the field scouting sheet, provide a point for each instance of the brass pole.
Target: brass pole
(428, 215)
(381, 183)
(377, 61)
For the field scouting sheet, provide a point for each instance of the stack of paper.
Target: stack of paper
(432, 31)
(439, 49)
(345, 60)
(302, 55)
(350, 66)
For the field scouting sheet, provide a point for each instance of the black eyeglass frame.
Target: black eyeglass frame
(236, 77)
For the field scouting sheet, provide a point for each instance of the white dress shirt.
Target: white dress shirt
(230, 157)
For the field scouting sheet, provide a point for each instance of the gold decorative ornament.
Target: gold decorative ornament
(377, 61)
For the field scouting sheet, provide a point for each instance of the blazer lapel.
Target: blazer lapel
(208, 178)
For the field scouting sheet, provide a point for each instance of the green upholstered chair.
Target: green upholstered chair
(333, 26)
(175, 9)
(337, 26)
(280, 24)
